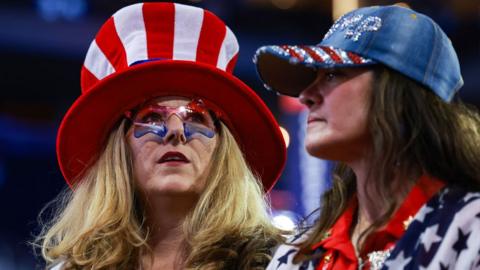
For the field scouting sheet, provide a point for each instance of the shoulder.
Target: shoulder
(443, 235)
(452, 206)
(284, 254)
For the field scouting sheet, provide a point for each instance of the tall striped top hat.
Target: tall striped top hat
(149, 50)
(400, 38)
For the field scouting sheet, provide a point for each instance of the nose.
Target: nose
(176, 132)
(311, 96)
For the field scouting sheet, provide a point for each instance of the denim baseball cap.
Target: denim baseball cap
(400, 38)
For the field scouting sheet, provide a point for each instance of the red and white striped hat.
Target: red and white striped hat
(148, 50)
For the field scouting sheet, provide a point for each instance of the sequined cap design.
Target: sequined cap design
(402, 39)
(355, 26)
(315, 55)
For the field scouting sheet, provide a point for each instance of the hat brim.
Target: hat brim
(290, 69)
(86, 125)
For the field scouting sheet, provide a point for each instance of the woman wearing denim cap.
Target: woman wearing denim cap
(379, 89)
(164, 167)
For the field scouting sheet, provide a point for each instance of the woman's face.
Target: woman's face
(338, 103)
(175, 164)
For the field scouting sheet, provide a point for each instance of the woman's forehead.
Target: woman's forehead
(170, 101)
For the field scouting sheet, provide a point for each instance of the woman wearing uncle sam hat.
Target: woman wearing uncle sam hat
(379, 90)
(164, 168)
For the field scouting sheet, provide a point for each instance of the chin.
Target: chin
(315, 152)
(322, 151)
(175, 184)
(175, 187)
(315, 147)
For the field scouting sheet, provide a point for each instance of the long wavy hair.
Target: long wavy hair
(413, 132)
(99, 225)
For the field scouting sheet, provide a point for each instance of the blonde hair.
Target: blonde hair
(97, 226)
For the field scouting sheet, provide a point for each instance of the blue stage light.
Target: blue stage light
(52, 10)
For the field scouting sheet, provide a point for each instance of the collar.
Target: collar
(338, 238)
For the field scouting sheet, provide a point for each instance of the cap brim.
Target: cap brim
(86, 125)
(290, 69)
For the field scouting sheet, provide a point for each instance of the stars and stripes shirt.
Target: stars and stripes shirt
(444, 234)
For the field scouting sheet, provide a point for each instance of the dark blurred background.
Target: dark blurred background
(42, 45)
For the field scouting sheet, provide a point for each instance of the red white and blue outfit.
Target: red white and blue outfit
(436, 227)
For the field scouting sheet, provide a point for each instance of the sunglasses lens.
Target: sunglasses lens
(195, 116)
(152, 115)
(202, 118)
(141, 129)
(191, 130)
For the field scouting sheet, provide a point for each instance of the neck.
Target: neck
(370, 209)
(165, 216)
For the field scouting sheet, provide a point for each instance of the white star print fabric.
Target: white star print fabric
(445, 234)
(282, 259)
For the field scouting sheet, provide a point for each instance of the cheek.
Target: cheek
(135, 147)
(357, 118)
(139, 151)
(205, 153)
(354, 122)
(349, 111)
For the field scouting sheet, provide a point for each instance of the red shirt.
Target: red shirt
(339, 251)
